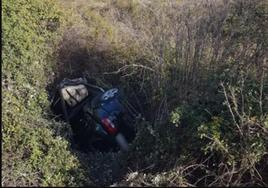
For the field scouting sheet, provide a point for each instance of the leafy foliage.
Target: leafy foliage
(33, 152)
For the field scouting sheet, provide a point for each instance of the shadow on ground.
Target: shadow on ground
(76, 59)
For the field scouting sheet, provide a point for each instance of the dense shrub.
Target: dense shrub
(209, 79)
(34, 150)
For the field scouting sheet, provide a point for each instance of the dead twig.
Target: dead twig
(230, 108)
(125, 67)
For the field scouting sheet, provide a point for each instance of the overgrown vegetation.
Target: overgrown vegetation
(34, 148)
(196, 70)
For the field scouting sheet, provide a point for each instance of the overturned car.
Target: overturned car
(101, 119)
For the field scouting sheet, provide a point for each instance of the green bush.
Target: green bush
(34, 153)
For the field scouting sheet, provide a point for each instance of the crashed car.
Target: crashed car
(101, 118)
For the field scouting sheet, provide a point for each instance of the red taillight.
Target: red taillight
(109, 126)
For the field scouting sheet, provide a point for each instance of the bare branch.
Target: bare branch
(125, 67)
(230, 108)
